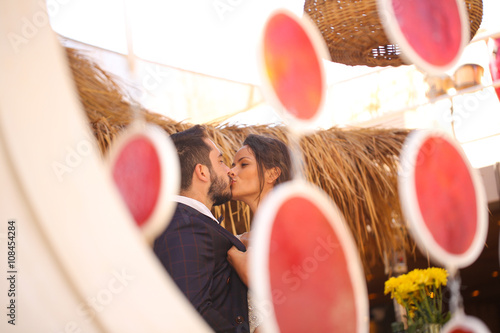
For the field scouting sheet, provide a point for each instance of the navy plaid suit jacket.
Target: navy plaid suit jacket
(193, 249)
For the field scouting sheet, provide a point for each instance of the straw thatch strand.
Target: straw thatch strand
(357, 168)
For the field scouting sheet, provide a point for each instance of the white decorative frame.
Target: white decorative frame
(396, 36)
(321, 52)
(460, 320)
(412, 213)
(170, 173)
(261, 238)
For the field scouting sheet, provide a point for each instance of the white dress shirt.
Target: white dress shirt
(195, 204)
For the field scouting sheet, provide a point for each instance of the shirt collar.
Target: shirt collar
(195, 204)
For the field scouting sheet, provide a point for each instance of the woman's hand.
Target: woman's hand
(238, 260)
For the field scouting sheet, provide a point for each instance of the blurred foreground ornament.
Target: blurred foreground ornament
(145, 169)
(445, 204)
(443, 199)
(292, 70)
(305, 272)
(433, 42)
(296, 264)
(461, 323)
(355, 35)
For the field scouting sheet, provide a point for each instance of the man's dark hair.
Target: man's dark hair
(270, 153)
(192, 150)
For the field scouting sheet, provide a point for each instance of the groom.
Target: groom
(193, 248)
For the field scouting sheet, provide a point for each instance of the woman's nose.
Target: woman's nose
(230, 173)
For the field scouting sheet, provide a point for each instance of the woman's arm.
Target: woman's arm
(238, 260)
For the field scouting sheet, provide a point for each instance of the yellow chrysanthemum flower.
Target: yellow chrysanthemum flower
(439, 276)
(415, 290)
(391, 285)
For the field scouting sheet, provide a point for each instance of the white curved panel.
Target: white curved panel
(86, 261)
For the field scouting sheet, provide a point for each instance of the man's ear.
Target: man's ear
(272, 174)
(201, 172)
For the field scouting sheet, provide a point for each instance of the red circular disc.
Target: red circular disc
(145, 168)
(446, 195)
(442, 199)
(432, 34)
(461, 323)
(292, 66)
(137, 175)
(311, 271)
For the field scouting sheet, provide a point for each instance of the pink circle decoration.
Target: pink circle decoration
(306, 264)
(460, 323)
(138, 177)
(145, 170)
(442, 199)
(446, 195)
(431, 34)
(293, 72)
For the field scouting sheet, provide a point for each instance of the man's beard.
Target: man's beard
(219, 191)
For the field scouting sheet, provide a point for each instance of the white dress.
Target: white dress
(254, 319)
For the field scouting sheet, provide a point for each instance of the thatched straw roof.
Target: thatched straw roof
(356, 167)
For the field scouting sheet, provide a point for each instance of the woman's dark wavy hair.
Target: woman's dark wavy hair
(270, 153)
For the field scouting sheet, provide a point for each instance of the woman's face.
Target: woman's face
(244, 176)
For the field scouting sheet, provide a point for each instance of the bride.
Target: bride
(259, 165)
